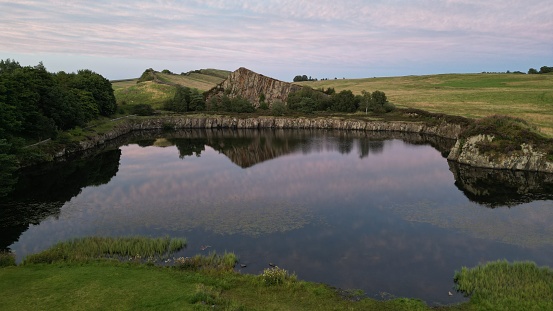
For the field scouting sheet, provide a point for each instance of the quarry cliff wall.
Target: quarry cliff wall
(465, 151)
(250, 85)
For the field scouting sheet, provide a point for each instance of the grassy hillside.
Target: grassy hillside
(529, 97)
(470, 95)
(155, 93)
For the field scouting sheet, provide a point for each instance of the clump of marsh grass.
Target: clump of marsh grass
(88, 248)
(212, 261)
(277, 276)
(506, 286)
(7, 259)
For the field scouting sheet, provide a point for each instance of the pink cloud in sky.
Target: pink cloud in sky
(282, 37)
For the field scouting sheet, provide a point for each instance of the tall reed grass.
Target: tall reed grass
(212, 261)
(102, 247)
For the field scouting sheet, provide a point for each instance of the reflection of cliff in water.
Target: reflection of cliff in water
(55, 184)
(52, 185)
(247, 147)
(494, 188)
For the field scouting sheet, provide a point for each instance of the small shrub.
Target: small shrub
(241, 105)
(7, 259)
(388, 107)
(263, 106)
(143, 110)
(278, 108)
(277, 276)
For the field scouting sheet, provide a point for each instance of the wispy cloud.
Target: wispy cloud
(282, 32)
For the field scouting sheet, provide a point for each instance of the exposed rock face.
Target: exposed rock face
(526, 159)
(464, 152)
(445, 130)
(250, 85)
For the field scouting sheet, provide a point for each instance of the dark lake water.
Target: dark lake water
(381, 212)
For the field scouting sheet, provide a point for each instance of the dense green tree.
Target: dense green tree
(297, 100)
(546, 69)
(35, 104)
(186, 99)
(100, 88)
(300, 78)
(344, 101)
(532, 71)
(379, 98)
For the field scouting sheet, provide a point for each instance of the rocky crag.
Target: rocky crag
(528, 158)
(253, 86)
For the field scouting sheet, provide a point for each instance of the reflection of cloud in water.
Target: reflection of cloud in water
(526, 226)
(233, 216)
(205, 192)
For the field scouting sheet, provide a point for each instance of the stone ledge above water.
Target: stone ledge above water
(465, 153)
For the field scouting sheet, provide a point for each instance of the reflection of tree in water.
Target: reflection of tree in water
(367, 146)
(496, 188)
(42, 191)
(146, 142)
(345, 144)
(189, 146)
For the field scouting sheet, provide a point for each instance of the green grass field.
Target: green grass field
(470, 95)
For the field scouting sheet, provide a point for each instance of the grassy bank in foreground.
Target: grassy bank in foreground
(93, 282)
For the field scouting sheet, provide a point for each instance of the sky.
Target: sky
(279, 38)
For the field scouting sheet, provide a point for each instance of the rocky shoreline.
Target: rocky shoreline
(465, 151)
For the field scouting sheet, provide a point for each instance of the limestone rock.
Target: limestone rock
(464, 152)
(526, 159)
(250, 85)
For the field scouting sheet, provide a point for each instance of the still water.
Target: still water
(381, 212)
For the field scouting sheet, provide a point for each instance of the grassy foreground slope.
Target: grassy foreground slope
(106, 273)
(109, 286)
(529, 97)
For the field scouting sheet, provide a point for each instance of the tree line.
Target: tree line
(308, 100)
(300, 78)
(36, 104)
(543, 69)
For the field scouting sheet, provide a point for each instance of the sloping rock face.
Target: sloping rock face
(526, 159)
(250, 85)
